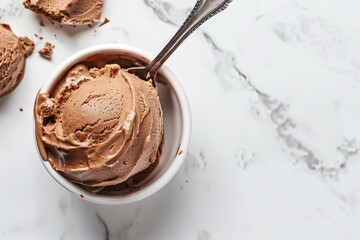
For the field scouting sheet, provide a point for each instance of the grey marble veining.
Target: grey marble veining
(106, 229)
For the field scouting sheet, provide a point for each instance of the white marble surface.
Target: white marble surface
(274, 88)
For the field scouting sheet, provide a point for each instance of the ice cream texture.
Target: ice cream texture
(12, 60)
(99, 126)
(67, 12)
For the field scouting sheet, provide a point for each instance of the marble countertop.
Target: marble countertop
(274, 88)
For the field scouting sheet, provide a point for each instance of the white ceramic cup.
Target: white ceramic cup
(177, 128)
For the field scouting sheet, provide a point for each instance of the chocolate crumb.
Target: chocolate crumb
(106, 20)
(28, 45)
(38, 36)
(21, 109)
(47, 51)
(82, 196)
(180, 152)
(42, 23)
(89, 25)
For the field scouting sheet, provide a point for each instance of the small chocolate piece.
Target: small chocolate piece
(47, 51)
(106, 20)
(21, 109)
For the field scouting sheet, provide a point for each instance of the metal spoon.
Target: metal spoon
(202, 11)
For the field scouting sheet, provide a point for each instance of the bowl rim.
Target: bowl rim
(184, 143)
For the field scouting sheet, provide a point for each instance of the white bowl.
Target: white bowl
(177, 128)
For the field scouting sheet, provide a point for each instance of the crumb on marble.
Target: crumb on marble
(106, 20)
(47, 51)
(38, 36)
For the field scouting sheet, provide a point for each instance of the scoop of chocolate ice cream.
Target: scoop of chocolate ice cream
(100, 126)
(12, 60)
(68, 12)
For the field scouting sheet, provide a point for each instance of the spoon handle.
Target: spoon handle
(202, 11)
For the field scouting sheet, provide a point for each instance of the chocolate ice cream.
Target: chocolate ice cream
(99, 126)
(68, 12)
(12, 59)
